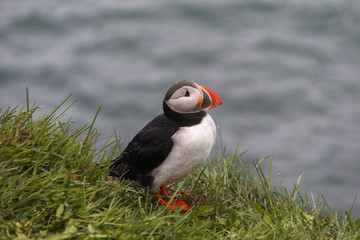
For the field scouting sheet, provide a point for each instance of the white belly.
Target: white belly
(192, 145)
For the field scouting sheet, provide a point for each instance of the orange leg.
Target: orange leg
(171, 205)
(163, 191)
(161, 201)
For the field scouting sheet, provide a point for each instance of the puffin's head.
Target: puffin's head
(188, 97)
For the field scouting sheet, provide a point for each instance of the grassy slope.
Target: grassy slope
(51, 188)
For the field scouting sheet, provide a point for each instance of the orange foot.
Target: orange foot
(174, 203)
(182, 194)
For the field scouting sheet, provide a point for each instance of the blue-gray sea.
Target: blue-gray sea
(288, 72)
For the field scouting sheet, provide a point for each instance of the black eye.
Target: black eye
(187, 94)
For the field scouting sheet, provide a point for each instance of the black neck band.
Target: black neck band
(184, 119)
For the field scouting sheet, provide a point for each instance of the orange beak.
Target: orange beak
(209, 100)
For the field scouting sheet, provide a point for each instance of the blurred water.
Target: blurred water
(287, 71)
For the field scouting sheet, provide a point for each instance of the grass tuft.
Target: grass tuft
(51, 187)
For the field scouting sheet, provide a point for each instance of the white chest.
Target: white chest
(192, 145)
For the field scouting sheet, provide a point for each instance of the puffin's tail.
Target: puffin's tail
(118, 167)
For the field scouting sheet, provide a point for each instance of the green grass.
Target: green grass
(51, 188)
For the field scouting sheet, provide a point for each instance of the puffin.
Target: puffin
(173, 144)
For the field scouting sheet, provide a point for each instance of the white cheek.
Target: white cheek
(183, 104)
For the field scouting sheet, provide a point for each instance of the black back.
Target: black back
(151, 146)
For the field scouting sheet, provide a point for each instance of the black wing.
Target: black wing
(148, 149)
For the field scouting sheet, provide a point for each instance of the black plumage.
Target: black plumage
(147, 150)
